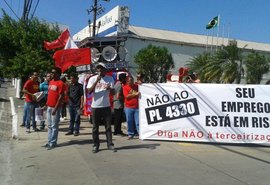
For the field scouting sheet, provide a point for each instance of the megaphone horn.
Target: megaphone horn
(122, 52)
(95, 55)
(109, 53)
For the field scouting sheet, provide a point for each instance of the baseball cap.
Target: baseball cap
(101, 64)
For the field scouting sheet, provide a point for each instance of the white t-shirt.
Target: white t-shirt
(101, 96)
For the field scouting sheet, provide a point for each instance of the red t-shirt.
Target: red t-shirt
(132, 102)
(32, 87)
(56, 88)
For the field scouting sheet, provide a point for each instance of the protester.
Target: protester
(192, 78)
(88, 99)
(101, 86)
(24, 111)
(30, 87)
(24, 116)
(43, 87)
(118, 104)
(54, 103)
(65, 100)
(131, 94)
(75, 104)
(140, 77)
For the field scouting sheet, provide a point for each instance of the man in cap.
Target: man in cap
(101, 85)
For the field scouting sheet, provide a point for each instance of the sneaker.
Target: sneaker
(50, 147)
(27, 130)
(69, 133)
(95, 149)
(112, 148)
(36, 130)
(130, 137)
(76, 133)
(46, 145)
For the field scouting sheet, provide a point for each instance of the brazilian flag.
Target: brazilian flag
(213, 23)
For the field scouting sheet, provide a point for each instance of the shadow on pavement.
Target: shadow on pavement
(4, 100)
(131, 147)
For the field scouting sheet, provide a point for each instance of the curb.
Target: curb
(14, 133)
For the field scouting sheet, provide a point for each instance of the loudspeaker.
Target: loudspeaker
(122, 52)
(95, 55)
(109, 53)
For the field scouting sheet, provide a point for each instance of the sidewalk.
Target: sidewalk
(85, 128)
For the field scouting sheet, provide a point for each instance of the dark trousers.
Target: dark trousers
(64, 110)
(75, 118)
(118, 117)
(102, 115)
(34, 123)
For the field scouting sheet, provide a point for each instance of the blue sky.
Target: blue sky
(240, 19)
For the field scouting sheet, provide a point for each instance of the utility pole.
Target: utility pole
(94, 18)
(97, 10)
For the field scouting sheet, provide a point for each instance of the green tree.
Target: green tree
(256, 66)
(222, 66)
(198, 63)
(154, 62)
(21, 46)
(231, 59)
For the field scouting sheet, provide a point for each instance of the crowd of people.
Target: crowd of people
(113, 100)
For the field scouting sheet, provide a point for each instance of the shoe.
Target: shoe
(27, 130)
(22, 125)
(69, 133)
(41, 128)
(95, 149)
(130, 137)
(112, 148)
(36, 130)
(50, 147)
(46, 145)
(76, 133)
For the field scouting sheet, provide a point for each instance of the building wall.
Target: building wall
(181, 54)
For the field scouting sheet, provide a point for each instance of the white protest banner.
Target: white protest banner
(226, 113)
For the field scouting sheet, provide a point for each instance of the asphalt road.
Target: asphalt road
(25, 162)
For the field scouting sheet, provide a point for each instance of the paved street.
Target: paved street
(25, 162)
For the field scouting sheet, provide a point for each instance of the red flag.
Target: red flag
(60, 42)
(72, 57)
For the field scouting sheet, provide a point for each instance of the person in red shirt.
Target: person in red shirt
(131, 94)
(54, 102)
(30, 87)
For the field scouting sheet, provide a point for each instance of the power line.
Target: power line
(11, 9)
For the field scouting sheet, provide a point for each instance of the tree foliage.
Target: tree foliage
(226, 65)
(21, 46)
(256, 66)
(154, 62)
